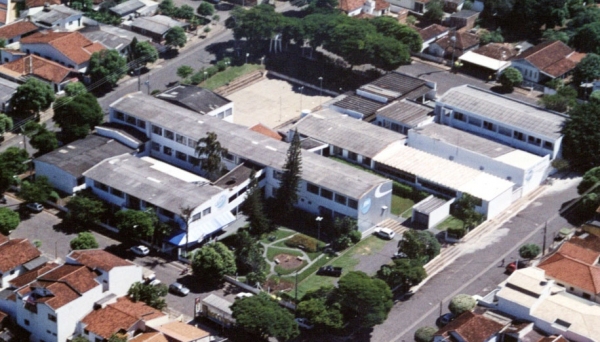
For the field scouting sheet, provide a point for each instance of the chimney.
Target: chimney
(519, 49)
(46, 7)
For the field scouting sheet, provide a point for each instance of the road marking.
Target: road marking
(473, 279)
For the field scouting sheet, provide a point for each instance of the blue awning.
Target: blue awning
(203, 227)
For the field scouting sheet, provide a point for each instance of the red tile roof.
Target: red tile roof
(32, 275)
(17, 29)
(574, 265)
(150, 337)
(264, 130)
(40, 3)
(98, 259)
(590, 242)
(351, 5)
(499, 51)
(39, 67)
(3, 239)
(16, 252)
(73, 45)
(381, 5)
(117, 317)
(551, 57)
(471, 327)
(65, 284)
(464, 40)
(432, 31)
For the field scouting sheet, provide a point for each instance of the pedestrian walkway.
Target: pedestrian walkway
(272, 264)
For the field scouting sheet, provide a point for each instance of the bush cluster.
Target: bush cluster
(458, 232)
(407, 191)
(310, 244)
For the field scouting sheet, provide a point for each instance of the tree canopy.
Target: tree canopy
(205, 9)
(402, 272)
(135, 224)
(84, 211)
(587, 38)
(32, 97)
(461, 303)
(13, 160)
(40, 137)
(321, 313)
(153, 295)
(287, 194)
(529, 251)
(425, 334)
(565, 98)
(367, 299)
(144, 53)
(262, 316)
(210, 152)
(253, 208)
(464, 210)
(75, 88)
(84, 240)
(39, 190)
(107, 65)
(419, 245)
(590, 178)
(510, 78)
(249, 254)
(176, 37)
(78, 115)
(6, 123)
(581, 135)
(212, 261)
(587, 70)
(9, 220)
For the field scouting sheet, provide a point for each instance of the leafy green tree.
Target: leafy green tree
(41, 138)
(461, 303)
(403, 272)
(145, 52)
(255, 24)
(587, 38)
(390, 27)
(75, 88)
(565, 98)
(486, 36)
(253, 208)
(6, 179)
(117, 338)
(587, 70)
(167, 7)
(350, 40)
(205, 9)
(464, 210)
(210, 152)
(510, 78)
(419, 245)
(80, 339)
(581, 135)
(135, 224)
(78, 115)
(387, 53)
(213, 261)
(588, 15)
(367, 299)
(263, 317)
(84, 240)
(32, 97)
(323, 6)
(175, 37)
(343, 230)
(184, 12)
(529, 251)
(152, 295)
(107, 65)
(595, 96)
(425, 334)
(435, 10)
(184, 71)
(13, 160)
(320, 313)
(9, 220)
(287, 194)
(249, 253)
(6, 123)
(85, 210)
(38, 191)
(551, 34)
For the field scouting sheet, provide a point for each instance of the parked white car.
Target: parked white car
(385, 233)
(140, 250)
(304, 323)
(243, 295)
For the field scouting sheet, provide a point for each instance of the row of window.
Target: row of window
(132, 120)
(225, 114)
(198, 216)
(103, 187)
(503, 130)
(178, 138)
(338, 151)
(332, 196)
(166, 150)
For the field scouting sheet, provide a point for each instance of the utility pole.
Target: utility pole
(296, 296)
(544, 242)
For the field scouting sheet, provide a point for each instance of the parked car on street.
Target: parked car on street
(34, 207)
(399, 255)
(384, 233)
(140, 250)
(513, 266)
(330, 271)
(304, 323)
(152, 280)
(243, 295)
(444, 319)
(179, 289)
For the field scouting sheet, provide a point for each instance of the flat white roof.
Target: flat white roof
(521, 159)
(444, 172)
(173, 171)
(483, 61)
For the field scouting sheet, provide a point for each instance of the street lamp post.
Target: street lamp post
(247, 54)
(321, 89)
(301, 92)
(319, 219)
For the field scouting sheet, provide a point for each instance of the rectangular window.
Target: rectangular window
(181, 156)
(169, 135)
(519, 136)
(504, 131)
(534, 141)
(119, 116)
(326, 194)
(181, 139)
(206, 211)
(340, 199)
(191, 143)
(548, 145)
(51, 317)
(337, 151)
(141, 124)
(101, 186)
(352, 156)
(229, 157)
(156, 130)
(156, 146)
(167, 150)
(221, 115)
(117, 193)
(228, 112)
(232, 198)
(26, 322)
(196, 217)
(352, 203)
(489, 126)
(130, 120)
(474, 121)
(460, 117)
(366, 161)
(313, 189)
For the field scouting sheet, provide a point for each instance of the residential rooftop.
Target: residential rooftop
(73, 45)
(398, 82)
(127, 7)
(159, 24)
(15, 252)
(241, 141)
(552, 57)
(98, 259)
(111, 37)
(471, 328)
(54, 14)
(504, 110)
(32, 65)
(432, 31)
(405, 111)
(18, 28)
(358, 104)
(80, 155)
(194, 98)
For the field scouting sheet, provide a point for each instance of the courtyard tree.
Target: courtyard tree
(135, 224)
(39, 190)
(425, 334)
(152, 295)
(6, 124)
(213, 261)
(587, 70)
(419, 245)
(205, 9)
(107, 66)
(84, 240)
(529, 251)
(263, 317)
(367, 299)
(402, 272)
(9, 220)
(40, 137)
(319, 312)
(85, 210)
(175, 37)
(510, 78)
(287, 194)
(435, 10)
(465, 210)
(249, 254)
(461, 303)
(32, 97)
(210, 152)
(78, 115)
(253, 208)
(581, 135)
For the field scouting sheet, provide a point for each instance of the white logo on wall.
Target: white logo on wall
(366, 206)
(379, 194)
(221, 201)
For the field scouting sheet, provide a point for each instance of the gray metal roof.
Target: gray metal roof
(464, 140)
(7, 89)
(139, 178)
(56, 13)
(505, 110)
(158, 24)
(80, 155)
(428, 205)
(359, 104)
(219, 303)
(195, 98)
(251, 145)
(346, 132)
(406, 112)
(127, 7)
(39, 261)
(110, 36)
(464, 14)
(399, 82)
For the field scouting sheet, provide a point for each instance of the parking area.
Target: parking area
(272, 102)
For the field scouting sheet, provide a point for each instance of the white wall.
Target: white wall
(497, 205)
(529, 72)
(59, 179)
(6, 277)
(121, 278)
(222, 110)
(49, 52)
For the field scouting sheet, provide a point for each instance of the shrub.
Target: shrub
(529, 251)
(221, 65)
(210, 72)
(425, 334)
(461, 303)
(355, 236)
(197, 78)
(310, 244)
(458, 232)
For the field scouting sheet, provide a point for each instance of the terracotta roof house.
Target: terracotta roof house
(32, 274)
(124, 317)
(546, 61)
(40, 3)
(432, 33)
(456, 43)
(490, 58)
(44, 70)
(369, 8)
(14, 254)
(70, 49)
(576, 268)
(588, 241)
(464, 19)
(150, 337)
(14, 32)
(469, 327)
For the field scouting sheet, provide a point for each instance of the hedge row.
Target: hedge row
(408, 191)
(310, 244)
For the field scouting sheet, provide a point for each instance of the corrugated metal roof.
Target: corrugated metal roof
(406, 112)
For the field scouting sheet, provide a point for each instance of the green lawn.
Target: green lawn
(450, 222)
(401, 205)
(284, 271)
(279, 234)
(228, 75)
(272, 252)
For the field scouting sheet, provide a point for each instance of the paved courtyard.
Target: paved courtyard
(272, 102)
